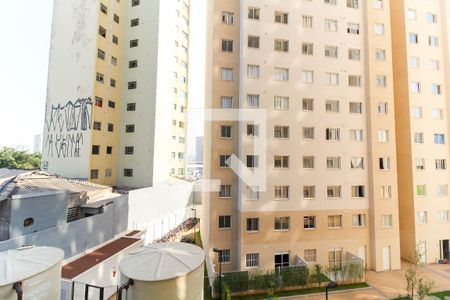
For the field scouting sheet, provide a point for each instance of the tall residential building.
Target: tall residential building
(421, 64)
(322, 73)
(117, 91)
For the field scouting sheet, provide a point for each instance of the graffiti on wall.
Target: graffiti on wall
(65, 128)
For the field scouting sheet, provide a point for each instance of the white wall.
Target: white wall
(71, 79)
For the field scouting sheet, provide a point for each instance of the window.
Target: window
(358, 191)
(355, 107)
(132, 85)
(310, 255)
(335, 221)
(433, 41)
(353, 3)
(308, 162)
(98, 101)
(441, 164)
(359, 220)
(354, 54)
(253, 42)
(281, 132)
(442, 190)
(333, 162)
(128, 172)
(332, 134)
(101, 54)
(307, 104)
(422, 217)
(281, 192)
(281, 103)
(281, 17)
(281, 74)
(307, 76)
(225, 256)
(308, 133)
(417, 112)
(281, 162)
(443, 216)
(281, 45)
(227, 45)
(129, 150)
(97, 126)
(226, 102)
(332, 79)
(95, 149)
(331, 25)
(131, 106)
(421, 190)
(332, 2)
(412, 14)
(380, 54)
(436, 89)
(134, 43)
(115, 39)
(334, 191)
(353, 28)
(307, 48)
(94, 174)
(434, 65)
(102, 31)
(225, 191)
(413, 38)
(437, 114)
(418, 137)
(224, 222)
(134, 22)
(439, 138)
(129, 128)
(414, 62)
(103, 8)
(384, 163)
(309, 222)
(226, 74)
(307, 21)
(386, 221)
(223, 161)
(109, 150)
(378, 4)
(100, 77)
(309, 192)
(253, 71)
(332, 106)
(282, 223)
(354, 80)
(383, 135)
(419, 163)
(252, 193)
(116, 18)
(386, 192)
(227, 18)
(281, 260)
(253, 13)
(382, 108)
(252, 130)
(331, 51)
(356, 135)
(252, 260)
(379, 28)
(252, 161)
(135, 2)
(252, 224)
(253, 100)
(112, 82)
(225, 131)
(381, 81)
(357, 163)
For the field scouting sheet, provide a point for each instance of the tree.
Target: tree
(415, 283)
(14, 159)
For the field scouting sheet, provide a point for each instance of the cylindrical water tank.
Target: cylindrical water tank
(172, 271)
(36, 271)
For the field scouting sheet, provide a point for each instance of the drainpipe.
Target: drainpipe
(19, 290)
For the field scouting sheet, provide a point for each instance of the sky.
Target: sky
(23, 69)
(24, 56)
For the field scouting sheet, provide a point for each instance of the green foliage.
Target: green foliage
(13, 159)
(317, 276)
(294, 276)
(415, 283)
(424, 288)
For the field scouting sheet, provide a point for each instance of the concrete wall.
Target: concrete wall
(68, 121)
(47, 210)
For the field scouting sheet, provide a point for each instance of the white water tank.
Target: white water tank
(172, 271)
(36, 269)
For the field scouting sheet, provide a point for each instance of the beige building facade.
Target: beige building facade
(322, 72)
(118, 91)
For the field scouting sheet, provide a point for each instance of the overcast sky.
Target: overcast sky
(26, 29)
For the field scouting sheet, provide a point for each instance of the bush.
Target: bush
(294, 276)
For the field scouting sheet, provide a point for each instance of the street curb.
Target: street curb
(323, 293)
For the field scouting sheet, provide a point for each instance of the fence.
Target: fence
(289, 278)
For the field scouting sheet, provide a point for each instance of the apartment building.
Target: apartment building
(321, 70)
(421, 63)
(118, 91)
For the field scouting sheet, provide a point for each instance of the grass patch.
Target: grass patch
(301, 292)
(440, 295)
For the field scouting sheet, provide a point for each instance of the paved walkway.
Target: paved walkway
(388, 285)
